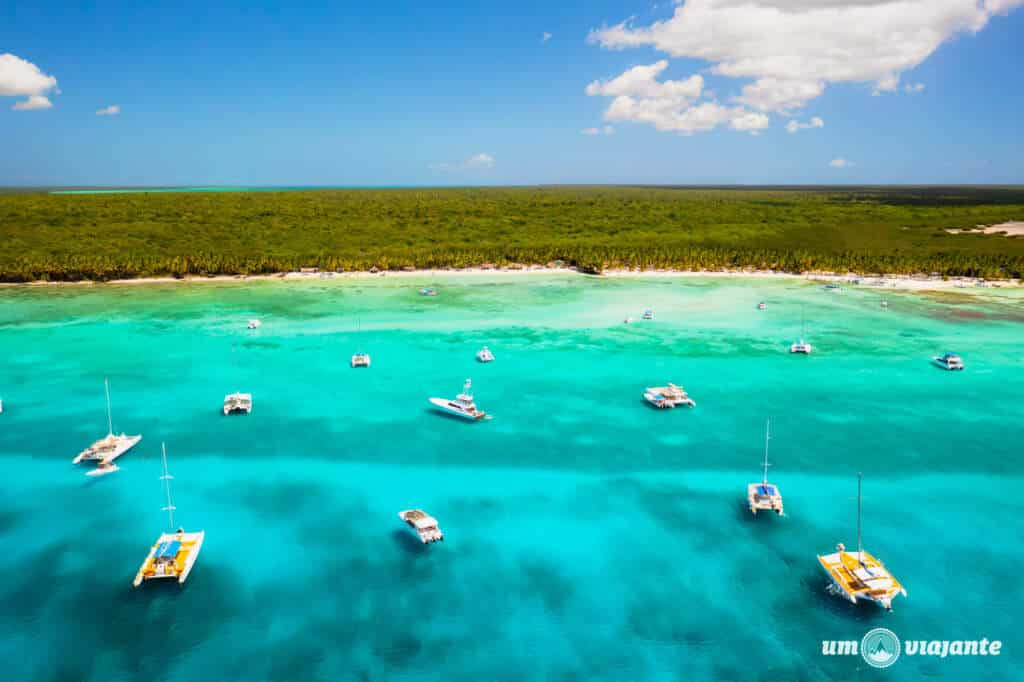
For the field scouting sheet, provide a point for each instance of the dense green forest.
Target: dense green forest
(868, 230)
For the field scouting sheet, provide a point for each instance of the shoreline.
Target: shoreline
(907, 282)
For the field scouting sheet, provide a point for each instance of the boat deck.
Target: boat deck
(172, 556)
(764, 497)
(861, 576)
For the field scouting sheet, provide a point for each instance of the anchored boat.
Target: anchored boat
(110, 447)
(424, 525)
(801, 346)
(858, 575)
(485, 355)
(174, 554)
(949, 361)
(764, 496)
(361, 360)
(462, 406)
(238, 403)
(255, 324)
(668, 397)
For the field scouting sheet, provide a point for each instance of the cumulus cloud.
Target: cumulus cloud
(796, 126)
(790, 50)
(477, 161)
(606, 130)
(545, 37)
(840, 163)
(21, 78)
(33, 102)
(112, 110)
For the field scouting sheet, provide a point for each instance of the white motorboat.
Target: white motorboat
(255, 324)
(949, 361)
(428, 291)
(103, 468)
(462, 406)
(111, 446)
(424, 524)
(762, 306)
(648, 314)
(361, 360)
(485, 355)
(668, 397)
(173, 554)
(238, 403)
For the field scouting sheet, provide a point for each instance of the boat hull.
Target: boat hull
(94, 453)
(445, 407)
(195, 544)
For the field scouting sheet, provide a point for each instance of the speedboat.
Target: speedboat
(801, 346)
(885, 304)
(462, 406)
(238, 403)
(361, 360)
(111, 446)
(764, 496)
(628, 319)
(428, 291)
(762, 306)
(254, 324)
(858, 575)
(173, 554)
(835, 288)
(485, 355)
(103, 468)
(668, 397)
(424, 524)
(950, 361)
(648, 314)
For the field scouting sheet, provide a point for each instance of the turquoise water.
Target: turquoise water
(588, 537)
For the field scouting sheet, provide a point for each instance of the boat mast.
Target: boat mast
(110, 422)
(767, 437)
(166, 478)
(860, 550)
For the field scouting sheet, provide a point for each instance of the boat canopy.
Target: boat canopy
(766, 490)
(167, 549)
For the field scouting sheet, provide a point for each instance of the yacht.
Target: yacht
(764, 496)
(428, 291)
(801, 346)
(173, 554)
(648, 314)
(762, 306)
(950, 361)
(858, 575)
(424, 524)
(485, 355)
(110, 447)
(667, 397)
(255, 324)
(462, 406)
(104, 467)
(361, 360)
(238, 403)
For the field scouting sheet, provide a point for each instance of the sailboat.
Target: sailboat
(237, 403)
(858, 575)
(110, 447)
(174, 554)
(801, 346)
(765, 496)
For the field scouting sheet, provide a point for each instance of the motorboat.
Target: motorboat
(801, 346)
(462, 406)
(485, 355)
(428, 291)
(111, 446)
(361, 360)
(668, 397)
(628, 320)
(255, 324)
(173, 554)
(762, 306)
(648, 314)
(424, 525)
(859, 575)
(238, 403)
(764, 496)
(949, 361)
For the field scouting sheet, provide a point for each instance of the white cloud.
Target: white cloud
(795, 126)
(33, 102)
(840, 163)
(545, 37)
(606, 130)
(477, 161)
(21, 78)
(792, 49)
(641, 81)
(112, 110)
(913, 88)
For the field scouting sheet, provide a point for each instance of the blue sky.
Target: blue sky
(472, 93)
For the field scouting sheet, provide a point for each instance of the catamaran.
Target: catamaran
(801, 346)
(667, 397)
(765, 496)
(462, 406)
(238, 403)
(485, 355)
(423, 523)
(110, 447)
(858, 575)
(174, 554)
(254, 324)
(361, 360)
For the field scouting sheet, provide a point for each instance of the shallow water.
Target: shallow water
(587, 536)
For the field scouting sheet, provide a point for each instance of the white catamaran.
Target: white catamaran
(765, 496)
(174, 554)
(110, 447)
(858, 575)
(801, 346)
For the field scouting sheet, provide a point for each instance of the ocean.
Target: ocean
(587, 536)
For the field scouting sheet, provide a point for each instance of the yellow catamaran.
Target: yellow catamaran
(174, 553)
(858, 575)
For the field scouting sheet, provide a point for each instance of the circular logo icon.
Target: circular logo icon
(880, 647)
